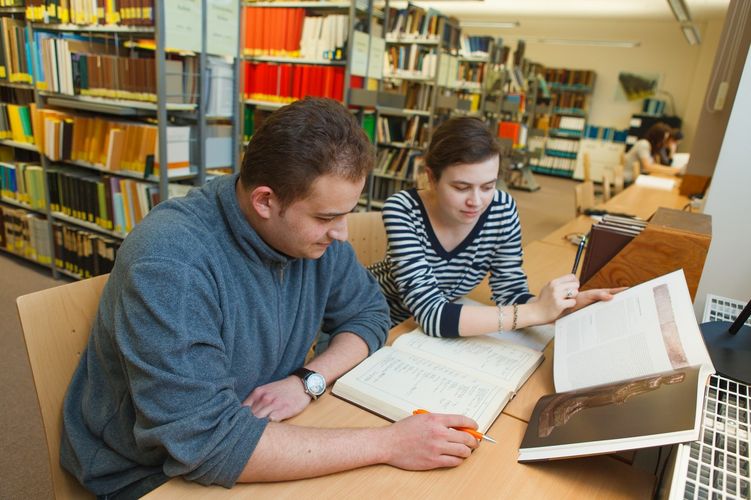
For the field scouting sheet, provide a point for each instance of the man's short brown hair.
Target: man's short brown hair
(303, 141)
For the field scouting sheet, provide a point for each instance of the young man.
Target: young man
(195, 356)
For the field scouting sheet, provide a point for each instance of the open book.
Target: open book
(629, 373)
(473, 376)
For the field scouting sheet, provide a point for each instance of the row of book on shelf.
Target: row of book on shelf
(110, 144)
(91, 12)
(289, 82)
(399, 163)
(77, 251)
(291, 32)
(414, 22)
(112, 203)
(410, 61)
(574, 77)
(410, 131)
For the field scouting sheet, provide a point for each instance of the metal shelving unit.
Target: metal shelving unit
(160, 111)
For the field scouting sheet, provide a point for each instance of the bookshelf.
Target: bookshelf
(111, 105)
(566, 119)
(419, 87)
(295, 49)
(23, 215)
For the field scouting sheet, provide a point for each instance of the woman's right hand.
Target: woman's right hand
(555, 297)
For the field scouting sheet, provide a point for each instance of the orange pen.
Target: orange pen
(471, 432)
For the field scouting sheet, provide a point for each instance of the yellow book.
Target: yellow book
(16, 127)
(127, 206)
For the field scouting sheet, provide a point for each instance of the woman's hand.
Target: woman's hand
(555, 297)
(562, 296)
(587, 297)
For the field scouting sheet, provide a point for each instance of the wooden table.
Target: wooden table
(492, 471)
(643, 201)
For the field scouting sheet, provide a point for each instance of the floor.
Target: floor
(24, 466)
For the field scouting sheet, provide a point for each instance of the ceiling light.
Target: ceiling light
(490, 24)
(626, 44)
(680, 11)
(691, 34)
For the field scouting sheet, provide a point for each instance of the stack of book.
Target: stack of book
(15, 56)
(606, 239)
(24, 233)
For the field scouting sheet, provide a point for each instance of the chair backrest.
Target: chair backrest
(618, 179)
(56, 324)
(586, 167)
(367, 236)
(584, 196)
(607, 181)
(635, 169)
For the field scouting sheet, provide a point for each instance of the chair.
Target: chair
(618, 180)
(584, 197)
(56, 324)
(586, 167)
(607, 181)
(367, 236)
(635, 170)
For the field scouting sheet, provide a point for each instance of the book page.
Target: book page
(394, 383)
(508, 363)
(646, 329)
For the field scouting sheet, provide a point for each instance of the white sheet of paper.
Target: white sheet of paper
(646, 329)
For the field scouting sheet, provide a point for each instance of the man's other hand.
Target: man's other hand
(278, 400)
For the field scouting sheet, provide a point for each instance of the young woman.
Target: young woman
(443, 240)
(647, 152)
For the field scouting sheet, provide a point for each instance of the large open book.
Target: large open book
(629, 373)
(473, 376)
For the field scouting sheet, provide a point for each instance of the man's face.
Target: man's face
(309, 225)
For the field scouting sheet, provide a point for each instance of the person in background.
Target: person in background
(644, 156)
(671, 146)
(198, 351)
(443, 240)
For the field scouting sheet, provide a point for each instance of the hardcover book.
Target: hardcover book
(474, 376)
(629, 373)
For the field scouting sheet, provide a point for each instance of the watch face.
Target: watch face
(316, 383)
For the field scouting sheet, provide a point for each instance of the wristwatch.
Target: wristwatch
(313, 382)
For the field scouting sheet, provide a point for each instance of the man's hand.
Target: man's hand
(427, 441)
(278, 400)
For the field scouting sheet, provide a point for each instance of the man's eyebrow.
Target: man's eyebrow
(336, 214)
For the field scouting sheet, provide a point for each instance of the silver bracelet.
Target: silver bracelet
(500, 318)
(516, 316)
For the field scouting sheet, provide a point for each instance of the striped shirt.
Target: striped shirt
(420, 278)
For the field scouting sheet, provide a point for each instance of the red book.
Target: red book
(328, 82)
(285, 80)
(339, 83)
(297, 81)
(509, 130)
(304, 85)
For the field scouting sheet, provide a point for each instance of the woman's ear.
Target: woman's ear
(432, 181)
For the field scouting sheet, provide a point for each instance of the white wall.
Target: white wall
(684, 70)
(727, 271)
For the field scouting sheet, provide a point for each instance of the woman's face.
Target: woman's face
(464, 191)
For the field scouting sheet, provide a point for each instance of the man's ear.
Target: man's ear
(263, 201)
